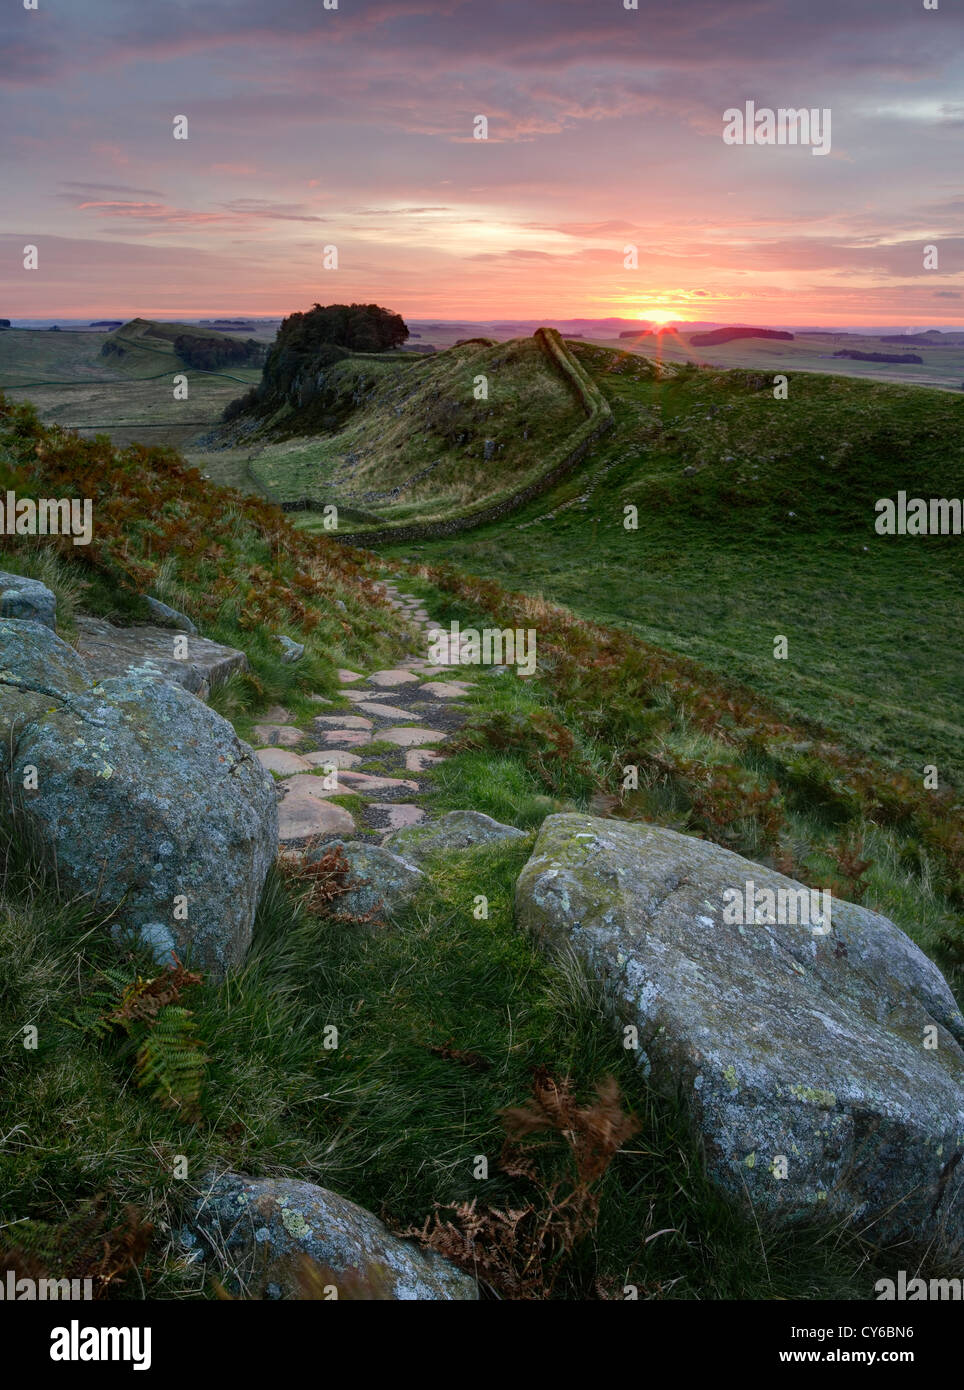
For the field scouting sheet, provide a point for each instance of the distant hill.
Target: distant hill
(192, 345)
(729, 335)
(933, 337)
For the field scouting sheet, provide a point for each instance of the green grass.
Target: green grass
(423, 415)
(773, 535)
(711, 760)
(382, 1119)
(127, 398)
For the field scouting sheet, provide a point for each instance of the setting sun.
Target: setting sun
(659, 316)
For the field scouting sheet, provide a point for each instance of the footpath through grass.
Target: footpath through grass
(447, 1018)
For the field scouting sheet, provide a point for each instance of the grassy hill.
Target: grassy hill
(127, 394)
(755, 515)
(407, 437)
(444, 1018)
(756, 519)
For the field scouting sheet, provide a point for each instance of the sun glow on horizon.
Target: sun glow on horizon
(659, 316)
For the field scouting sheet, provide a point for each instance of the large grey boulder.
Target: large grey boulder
(27, 599)
(824, 1070)
(145, 798)
(279, 1238)
(386, 881)
(196, 663)
(456, 830)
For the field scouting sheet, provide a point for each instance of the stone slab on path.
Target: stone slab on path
(362, 782)
(337, 757)
(277, 735)
(455, 830)
(282, 761)
(397, 815)
(349, 738)
(387, 679)
(301, 815)
(386, 711)
(349, 677)
(418, 759)
(446, 690)
(411, 738)
(121, 651)
(342, 721)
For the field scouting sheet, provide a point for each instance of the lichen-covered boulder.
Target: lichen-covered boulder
(456, 830)
(180, 657)
(278, 1238)
(145, 797)
(27, 599)
(34, 658)
(824, 1069)
(385, 881)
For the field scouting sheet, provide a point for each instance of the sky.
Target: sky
(354, 128)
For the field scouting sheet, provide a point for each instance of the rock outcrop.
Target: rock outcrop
(824, 1070)
(385, 881)
(195, 663)
(166, 616)
(456, 830)
(27, 599)
(285, 1239)
(145, 798)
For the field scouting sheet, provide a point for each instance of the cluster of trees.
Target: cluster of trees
(729, 335)
(358, 327)
(880, 356)
(208, 354)
(308, 344)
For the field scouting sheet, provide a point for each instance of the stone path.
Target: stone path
(372, 751)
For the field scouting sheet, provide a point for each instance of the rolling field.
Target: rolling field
(129, 397)
(942, 366)
(768, 532)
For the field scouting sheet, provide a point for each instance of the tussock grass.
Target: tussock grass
(392, 1118)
